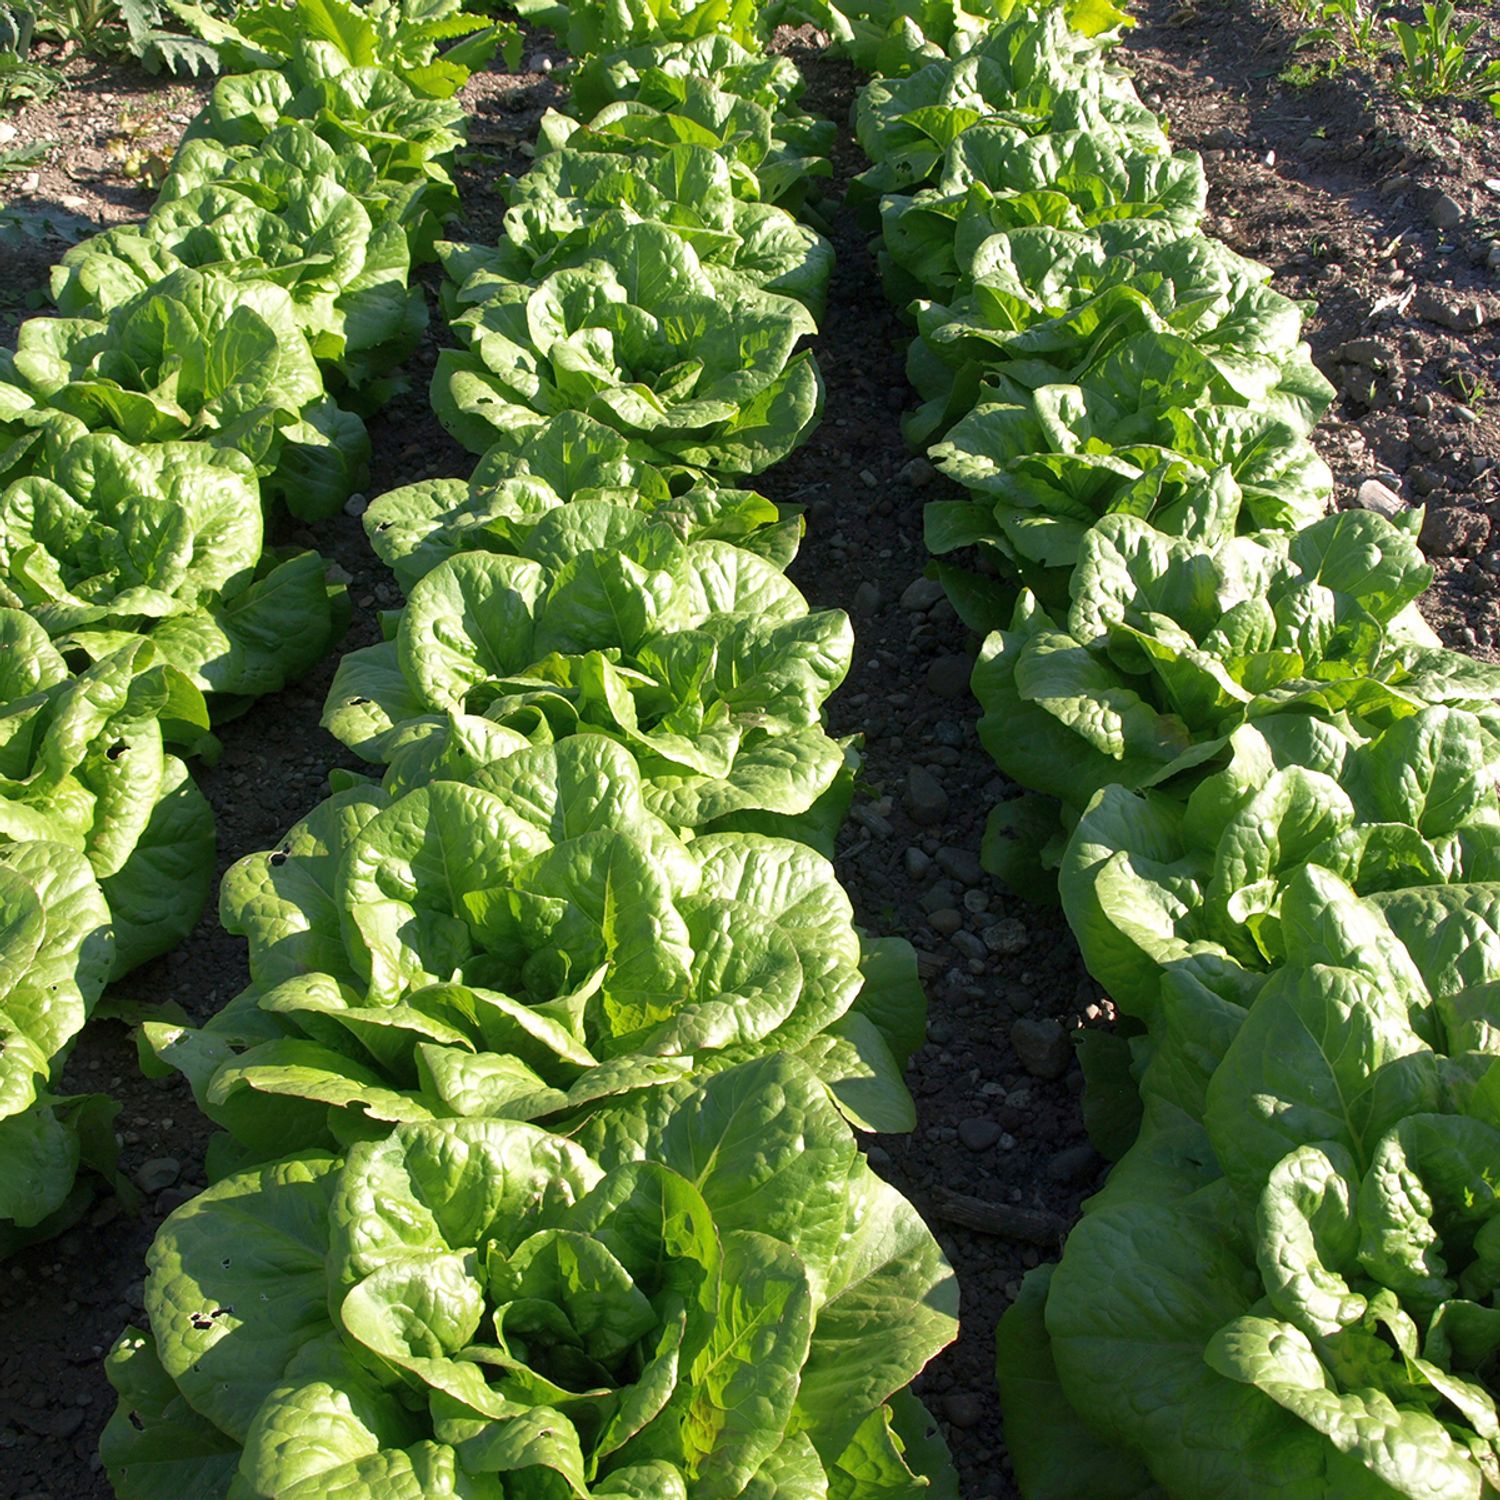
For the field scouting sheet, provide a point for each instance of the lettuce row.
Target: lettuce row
(536, 1174)
(143, 435)
(1279, 836)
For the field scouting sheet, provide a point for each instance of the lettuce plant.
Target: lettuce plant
(573, 205)
(83, 763)
(891, 39)
(405, 38)
(1041, 471)
(408, 139)
(1169, 645)
(645, 343)
(654, 72)
(1148, 879)
(195, 356)
(164, 541)
(569, 458)
(527, 942)
(700, 657)
(295, 212)
(709, 1294)
(1298, 1248)
(995, 179)
(1045, 304)
(56, 952)
(771, 159)
(1032, 76)
(628, 25)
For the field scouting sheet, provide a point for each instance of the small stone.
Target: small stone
(1445, 212)
(946, 921)
(1042, 1047)
(867, 598)
(1005, 937)
(337, 574)
(72, 202)
(939, 1031)
(961, 865)
(356, 505)
(948, 676)
(1076, 1164)
(942, 894)
(963, 1409)
(173, 1199)
(920, 595)
(918, 473)
(7, 132)
(925, 800)
(868, 479)
(970, 946)
(979, 1135)
(158, 1173)
(917, 863)
(1492, 260)
(976, 902)
(1384, 501)
(1451, 531)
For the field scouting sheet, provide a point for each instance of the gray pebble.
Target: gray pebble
(920, 595)
(1446, 212)
(946, 921)
(917, 864)
(1042, 1047)
(979, 1135)
(866, 598)
(1006, 936)
(926, 800)
(1384, 501)
(961, 865)
(158, 1173)
(948, 676)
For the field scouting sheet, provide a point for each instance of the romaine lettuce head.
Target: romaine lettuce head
(1043, 470)
(1149, 880)
(995, 179)
(651, 72)
(1331, 1293)
(713, 1297)
(196, 356)
(108, 542)
(1044, 304)
(1170, 645)
(701, 657)
(572, 458)
(772, 157)
(527, 942)
(644, 343)
(572, 204)
(293, 213)
(56, 952)
(889, 39)
(83, 763)
(1031, 76)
